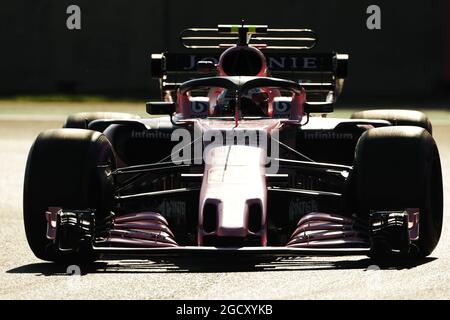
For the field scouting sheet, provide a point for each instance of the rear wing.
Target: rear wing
(321, 74)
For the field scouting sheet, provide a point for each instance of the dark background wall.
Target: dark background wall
(110, 54)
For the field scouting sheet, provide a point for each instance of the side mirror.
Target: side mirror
(206, 66)
(160, 107)
(318, 107)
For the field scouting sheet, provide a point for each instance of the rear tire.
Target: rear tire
(397, 168)
(61, 171)
(397, 117)
(81, 120)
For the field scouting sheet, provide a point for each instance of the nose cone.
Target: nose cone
(233, 180)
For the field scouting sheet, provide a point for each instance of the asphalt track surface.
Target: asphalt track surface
(22, 276)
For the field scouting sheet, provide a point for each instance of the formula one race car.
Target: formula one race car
(238, 157)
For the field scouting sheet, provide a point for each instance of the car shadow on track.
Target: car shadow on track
(217, 265)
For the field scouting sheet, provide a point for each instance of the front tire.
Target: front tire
(61, 171)
(398, 168)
